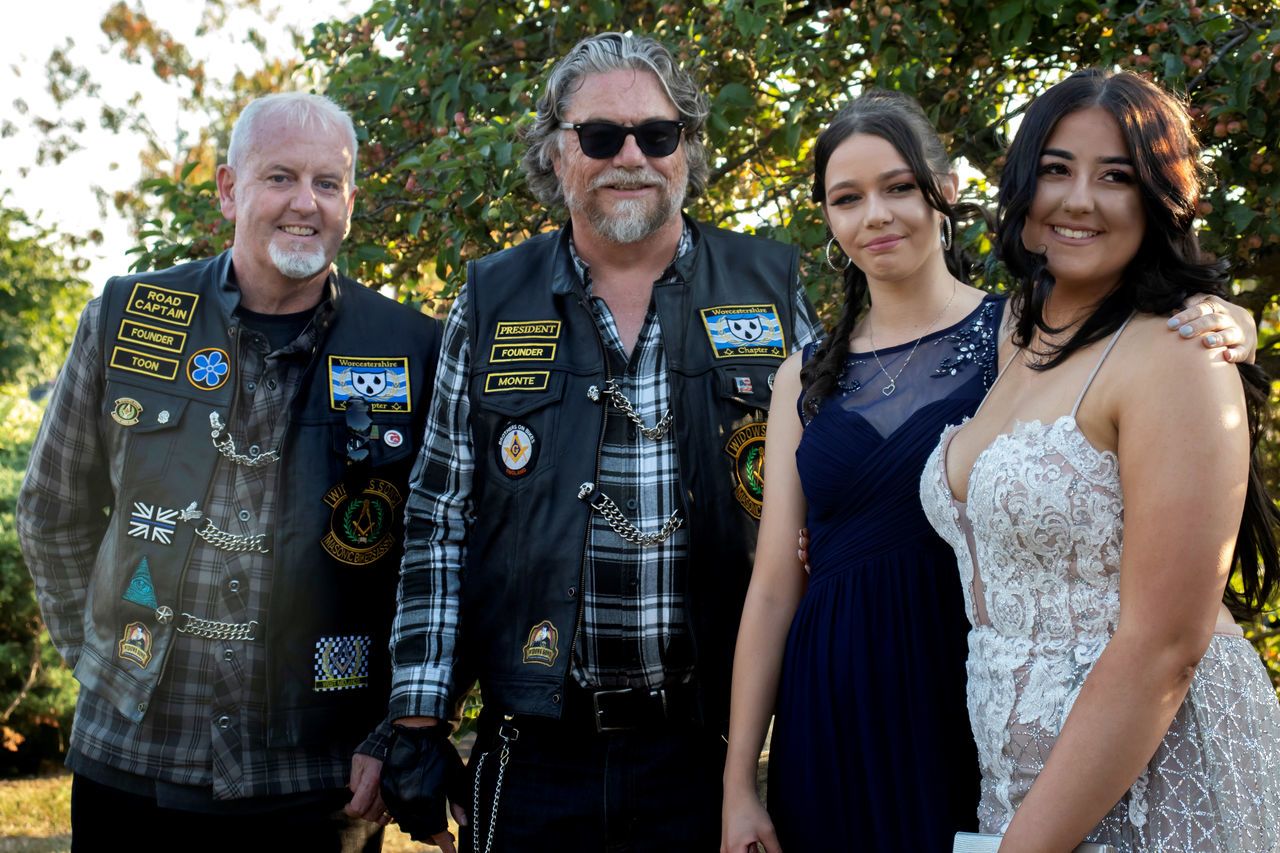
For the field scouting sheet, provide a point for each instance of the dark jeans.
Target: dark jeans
(566, 788)
(108, 819)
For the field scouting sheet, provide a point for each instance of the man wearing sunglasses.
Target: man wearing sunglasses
(211, 516)
(582, 520)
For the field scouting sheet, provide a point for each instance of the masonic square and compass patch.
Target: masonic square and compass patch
(342, 663)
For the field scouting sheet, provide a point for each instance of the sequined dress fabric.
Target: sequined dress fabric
(1038, 545)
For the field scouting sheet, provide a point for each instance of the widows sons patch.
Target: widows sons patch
(745, 331)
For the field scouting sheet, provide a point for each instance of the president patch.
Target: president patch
(161, 303)
(745, 331)
(746, 447)
(381, 382)
(342, 663)
(360, 526)
(543, 329)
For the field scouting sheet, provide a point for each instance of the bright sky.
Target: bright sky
(62, 195)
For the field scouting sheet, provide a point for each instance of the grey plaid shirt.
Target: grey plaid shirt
(206, 724)
(634, 631)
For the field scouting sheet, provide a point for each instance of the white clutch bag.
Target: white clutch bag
(972, 842)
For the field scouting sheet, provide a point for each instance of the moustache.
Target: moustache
(628, 179)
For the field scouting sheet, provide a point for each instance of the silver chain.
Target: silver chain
(221, 539)
(893, 380)
(604, 505)
(622, 404)
(226, 445)
(211, 630)
(503, 757)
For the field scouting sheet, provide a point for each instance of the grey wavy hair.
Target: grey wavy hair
(599, 54)
(302, 110)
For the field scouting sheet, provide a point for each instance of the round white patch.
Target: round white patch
(516, 449)
(393, 438)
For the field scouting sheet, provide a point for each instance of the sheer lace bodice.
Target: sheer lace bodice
(1038, 545)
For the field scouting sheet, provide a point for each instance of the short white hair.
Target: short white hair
(297, 109)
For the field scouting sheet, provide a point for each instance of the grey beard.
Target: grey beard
(297, 264)
(631, 223)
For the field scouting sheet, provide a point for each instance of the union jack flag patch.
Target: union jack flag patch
(153, 523)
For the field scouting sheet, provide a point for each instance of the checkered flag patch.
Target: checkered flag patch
(342, 663)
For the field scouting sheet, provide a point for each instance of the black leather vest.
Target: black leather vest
(726, 324)
(170, 345)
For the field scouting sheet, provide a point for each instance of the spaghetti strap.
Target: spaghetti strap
(999, 375)
(1107, 351)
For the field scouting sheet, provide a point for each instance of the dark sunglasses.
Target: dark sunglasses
(601, 140)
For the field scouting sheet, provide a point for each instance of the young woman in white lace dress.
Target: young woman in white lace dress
(1101, 498)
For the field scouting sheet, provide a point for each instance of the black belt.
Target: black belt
(630, 708)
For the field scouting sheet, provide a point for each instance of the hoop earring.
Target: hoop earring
(947, 236)
(847, 260)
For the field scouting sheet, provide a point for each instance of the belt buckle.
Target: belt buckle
(598, 712)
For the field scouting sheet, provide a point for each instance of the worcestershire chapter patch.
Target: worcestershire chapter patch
(381, 382)
(360, 526)
(342, 663)
(746, 447)
(745, 331)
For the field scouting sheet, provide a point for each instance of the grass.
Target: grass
(35, 817)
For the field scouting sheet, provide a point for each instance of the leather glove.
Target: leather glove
(421, 772)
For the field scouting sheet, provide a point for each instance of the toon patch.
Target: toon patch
(545, 329)
(746, 448)
(208, 369)
(161, 303)
(543, 644)
(517, 449)
(382, 382)
(147, 364)
(135, 644)
(525, 380)
(745, 331)
(361, 526)
(133, 332)
(342, 663)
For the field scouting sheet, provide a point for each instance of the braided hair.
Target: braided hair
(899, 120)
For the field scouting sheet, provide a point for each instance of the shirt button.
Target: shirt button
(245, 515)
(271, 384)
(142, 707)
(254, 450)
(234, 586)
(224, 722)
(228, 655)
(251, 386)
(631, 503)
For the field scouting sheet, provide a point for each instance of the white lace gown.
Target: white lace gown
(1038, 545)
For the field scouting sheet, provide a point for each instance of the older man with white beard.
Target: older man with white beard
(211, 517)
(581, 523)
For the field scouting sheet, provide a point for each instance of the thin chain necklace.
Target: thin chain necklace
(893, 380)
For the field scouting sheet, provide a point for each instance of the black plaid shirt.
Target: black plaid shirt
(634, 631)
(206, 724)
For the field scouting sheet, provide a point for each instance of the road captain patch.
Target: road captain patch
(517, 448)
(742, 331)
(382, 382)
(746, 447)
(161, 303)
(360, 526)
(342, 663)
(543, 644)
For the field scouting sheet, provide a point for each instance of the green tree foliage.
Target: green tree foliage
(41, 294)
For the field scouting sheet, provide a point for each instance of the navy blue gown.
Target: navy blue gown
(871, 747)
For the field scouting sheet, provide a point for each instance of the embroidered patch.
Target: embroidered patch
(543, 644)
(547, 329)
(160, 303)
(740, 331)
(529, 380)
(153, 523)
(208, 368)
(742, 384)
(126, 411)
(382, 382)
(360, 526)
(133, 332)
(144, 363)
(140, 590)
(516, 450)
(746, 447)
(135, 644)
(523, 352)
(342, 663)
(393, 438)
